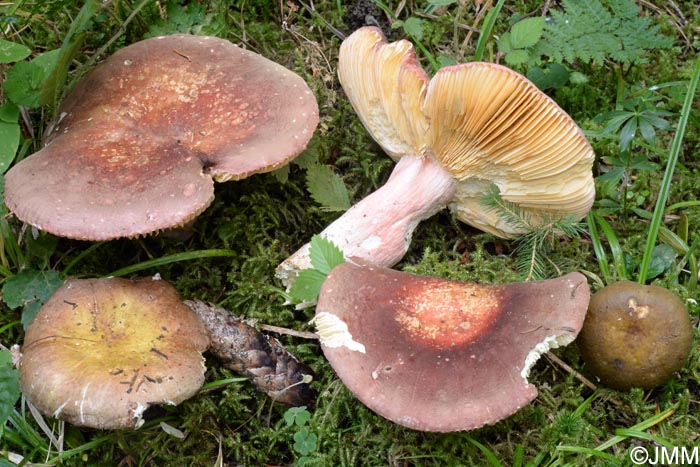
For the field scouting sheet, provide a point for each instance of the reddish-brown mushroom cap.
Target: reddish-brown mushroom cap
(100, 351)
(138, 143)
(442, 355)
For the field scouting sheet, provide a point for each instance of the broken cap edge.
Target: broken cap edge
(381, 377)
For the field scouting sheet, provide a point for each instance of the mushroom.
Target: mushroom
(470, 128)
(442, 355)
(101, 351)
(138, 143)
(635, 335)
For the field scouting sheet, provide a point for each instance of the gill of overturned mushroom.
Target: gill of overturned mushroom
(455, 137)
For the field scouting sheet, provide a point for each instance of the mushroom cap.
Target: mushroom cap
(635, 335)
(486, 124)
(386, 86)
(100, 351)
(442, 355)
(138, 143)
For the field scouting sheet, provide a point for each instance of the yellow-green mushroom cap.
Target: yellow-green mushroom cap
(101, 351)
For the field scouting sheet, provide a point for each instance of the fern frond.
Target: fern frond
(593, 31)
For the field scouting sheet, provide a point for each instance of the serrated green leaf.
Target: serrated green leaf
(662, 257)
(552, 77)
(5, 358)
(29, 312)
(324, 254)
(444, 60)
(9, 386)
(527, 32)
(517, 57)
(30, 289)
(592, 30)
(179, 19)
(327, 188)
(310, 156)
(281, 174)
(23, 83)
(9, 113)
(414, 27)
(504, 44)
(307, 285)
(12, 52)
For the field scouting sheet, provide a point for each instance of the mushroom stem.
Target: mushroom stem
(379, 228)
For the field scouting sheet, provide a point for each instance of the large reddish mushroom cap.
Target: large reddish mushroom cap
(138, 143)
(442, 355)
(100, 351)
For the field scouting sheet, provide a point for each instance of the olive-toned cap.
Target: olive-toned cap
(100, 351)
(442, 355)
(138, 143)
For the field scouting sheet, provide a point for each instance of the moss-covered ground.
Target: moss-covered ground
(263, 219)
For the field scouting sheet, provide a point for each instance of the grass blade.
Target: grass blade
(86, 252)
(177, 257)
(518, 455)
(618, 257)
(71, 44)
(493, 461)
(645, 425)
(630, 433)
(590, 452)
(598, 248)
(668, 174)
(486, 31)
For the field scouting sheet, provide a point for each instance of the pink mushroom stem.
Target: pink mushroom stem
(379, 228)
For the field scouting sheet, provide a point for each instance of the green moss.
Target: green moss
(262, 220)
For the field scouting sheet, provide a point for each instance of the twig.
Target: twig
(553, 358)
(289, 332)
